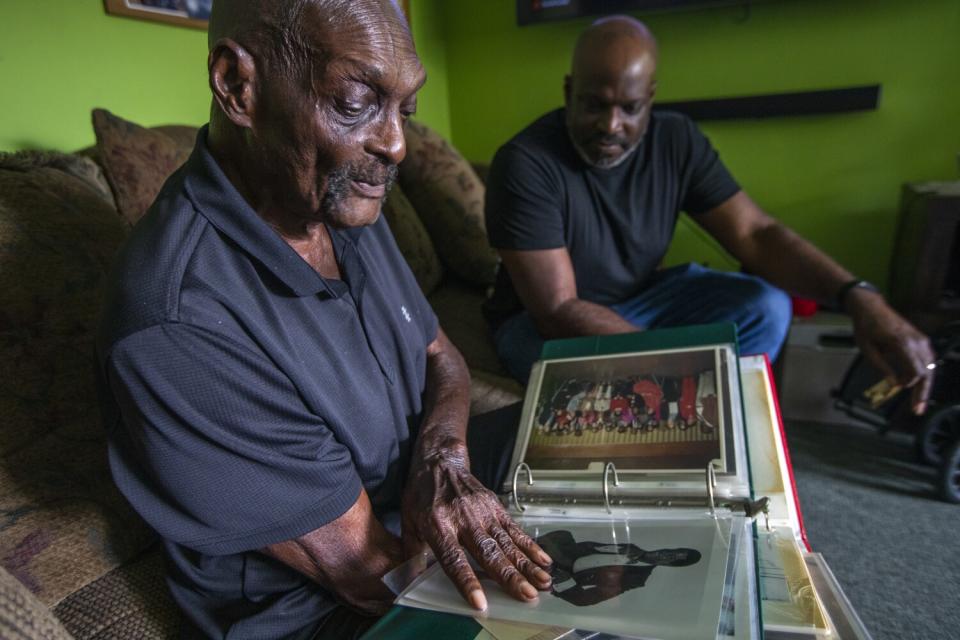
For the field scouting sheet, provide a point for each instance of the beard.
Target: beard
(606, 163)
(333, 203)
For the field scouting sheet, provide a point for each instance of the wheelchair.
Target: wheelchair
(862, 396)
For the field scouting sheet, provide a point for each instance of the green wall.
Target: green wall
(433, 101)
(835, 179)
(61, 58)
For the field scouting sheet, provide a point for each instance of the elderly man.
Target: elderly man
(583, 203)
(279, 397)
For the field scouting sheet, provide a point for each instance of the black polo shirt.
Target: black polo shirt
(248, 399)
(615, 223)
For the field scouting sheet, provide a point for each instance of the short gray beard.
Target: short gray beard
(605, 164)
(338, 187)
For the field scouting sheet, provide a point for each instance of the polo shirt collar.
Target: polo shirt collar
(215, 197)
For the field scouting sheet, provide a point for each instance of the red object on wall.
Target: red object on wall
(803, 307)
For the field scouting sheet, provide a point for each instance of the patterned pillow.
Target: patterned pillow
(448, 197)
(136, 160)
(413, 240)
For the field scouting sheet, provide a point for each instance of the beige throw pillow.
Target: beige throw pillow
(448, 197)
(137, 161)
(413, 240)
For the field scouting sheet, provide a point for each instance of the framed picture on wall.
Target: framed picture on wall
(185, 13)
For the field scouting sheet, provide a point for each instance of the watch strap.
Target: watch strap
(849, 286)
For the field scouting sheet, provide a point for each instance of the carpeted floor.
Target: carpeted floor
(871, 510)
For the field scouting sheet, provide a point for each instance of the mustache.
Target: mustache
(375, 173)
(607, 139)
(338, 182)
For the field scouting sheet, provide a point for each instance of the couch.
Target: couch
(70, 545)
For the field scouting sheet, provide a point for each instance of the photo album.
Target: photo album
(630, 470)
(653, 469)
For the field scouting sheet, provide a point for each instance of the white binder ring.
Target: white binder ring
(523, 466)
(610, 467)
(711, 483)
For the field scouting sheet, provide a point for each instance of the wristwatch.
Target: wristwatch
(847, 287)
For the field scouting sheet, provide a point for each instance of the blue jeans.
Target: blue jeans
(678, 296)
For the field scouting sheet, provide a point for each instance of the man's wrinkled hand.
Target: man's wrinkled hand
(447, 508)
(895, 347)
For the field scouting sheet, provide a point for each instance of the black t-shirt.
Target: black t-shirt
(616, 223)
(247, 399)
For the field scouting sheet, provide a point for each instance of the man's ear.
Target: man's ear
(233, 76)
(566, 90)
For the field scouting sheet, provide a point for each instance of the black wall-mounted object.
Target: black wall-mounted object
(772, 105)
(536, 11)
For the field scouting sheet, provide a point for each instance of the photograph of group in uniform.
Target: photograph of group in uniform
(662, 411)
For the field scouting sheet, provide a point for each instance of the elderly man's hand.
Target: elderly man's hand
(447, 508)
(893, 345)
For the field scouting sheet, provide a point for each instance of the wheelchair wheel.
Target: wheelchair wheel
(950, 474)
(940, 429)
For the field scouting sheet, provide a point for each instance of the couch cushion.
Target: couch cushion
(457, 306)
(78, 166)
(57, 238)
(22, 616)
(448, 197)
(489, 391)
(63, 522)
(137, 161)
(413, 240)
(185, 136)
(131, 601)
